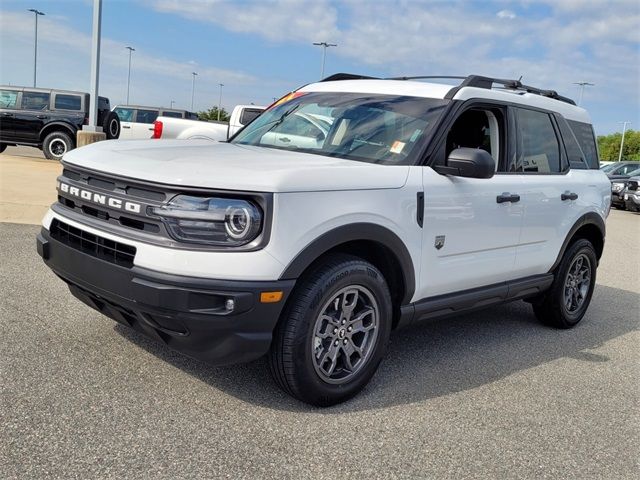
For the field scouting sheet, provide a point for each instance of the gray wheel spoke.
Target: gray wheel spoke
(351, 311)
(577, 283)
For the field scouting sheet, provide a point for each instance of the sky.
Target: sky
(261, 49)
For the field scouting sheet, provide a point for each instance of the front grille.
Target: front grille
(94, 245)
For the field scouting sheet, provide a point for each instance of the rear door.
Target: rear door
(8, 109)
(32, 116)
(143, 126)
(126, 116)
(553, 194)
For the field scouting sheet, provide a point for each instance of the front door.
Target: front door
(31, 118)
(8, 111)
(471, 226)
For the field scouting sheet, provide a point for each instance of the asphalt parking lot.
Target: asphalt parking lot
(491, 394)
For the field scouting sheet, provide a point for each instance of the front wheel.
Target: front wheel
(566, 302)
(334, 332)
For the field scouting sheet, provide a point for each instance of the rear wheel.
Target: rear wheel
(56, 144)
(566, 302)
(333, 333)
(111, 126)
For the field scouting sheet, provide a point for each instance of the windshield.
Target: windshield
(634, 173)
(371, 128)
(607, 167)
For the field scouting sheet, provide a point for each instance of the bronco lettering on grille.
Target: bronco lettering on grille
(101, 199)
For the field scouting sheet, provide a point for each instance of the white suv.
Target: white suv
(415, 200)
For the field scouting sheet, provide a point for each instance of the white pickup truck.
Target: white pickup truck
(180, 128)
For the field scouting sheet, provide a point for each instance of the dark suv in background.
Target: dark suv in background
(49, 119)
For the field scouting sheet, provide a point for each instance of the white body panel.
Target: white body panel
(201, 163)
(481, 235)
(184, 129)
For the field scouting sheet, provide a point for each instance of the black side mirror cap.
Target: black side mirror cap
(468, 162)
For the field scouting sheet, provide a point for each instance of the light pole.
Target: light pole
(131, 49)
(37, 13)
(582, 85)
(624, 129)
(193, 87)
(324, 46)
(172, 102)
(220, 100)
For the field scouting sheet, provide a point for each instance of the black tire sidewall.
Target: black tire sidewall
(3, 147)
(564, 318)
(46, 145)
(110, 120)
(309, 385)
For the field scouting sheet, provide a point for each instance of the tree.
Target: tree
(609, 146)
(212, 114)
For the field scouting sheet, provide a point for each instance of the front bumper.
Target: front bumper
(617, 198)
(632, 202)
(187, 314)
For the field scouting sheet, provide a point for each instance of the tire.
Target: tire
(56, 144)
(3, 147)
(111, 126)
(339, 281)
(566, 302)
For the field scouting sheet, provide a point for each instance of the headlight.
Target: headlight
(211, 220)
(617, 187)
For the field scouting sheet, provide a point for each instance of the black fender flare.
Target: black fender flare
(72, 130)
(354, 232)
(590, 218)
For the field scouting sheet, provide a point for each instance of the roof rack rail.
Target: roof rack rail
(479, 81)
(432, 77)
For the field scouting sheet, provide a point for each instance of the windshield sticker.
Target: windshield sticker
(285, 99)
(397, 147)
(415, 135)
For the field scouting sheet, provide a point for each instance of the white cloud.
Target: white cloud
(508, 14)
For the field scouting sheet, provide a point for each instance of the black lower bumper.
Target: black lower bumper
(190, 315)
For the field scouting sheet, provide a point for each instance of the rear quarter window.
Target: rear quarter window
(172, 114)
(587, 141)
(146, 116)
(67, 102)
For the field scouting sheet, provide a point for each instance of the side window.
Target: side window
(124, 114)
(171, 114)
(8, 98)
(628, 168)
(574, 152)
(538, 148)
(587, 140)
(478, 128)
(35, 100)
(146, 116)
(67, 102)
(249, 115)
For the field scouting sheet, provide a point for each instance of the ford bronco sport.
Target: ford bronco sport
(417, 200)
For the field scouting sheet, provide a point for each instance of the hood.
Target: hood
(207, 164)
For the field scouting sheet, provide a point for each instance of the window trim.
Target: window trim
(439, 137)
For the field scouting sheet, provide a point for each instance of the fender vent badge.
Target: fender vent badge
(439, 243)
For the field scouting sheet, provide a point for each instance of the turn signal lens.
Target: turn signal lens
(270, 297)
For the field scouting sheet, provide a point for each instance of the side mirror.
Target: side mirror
(468, 162)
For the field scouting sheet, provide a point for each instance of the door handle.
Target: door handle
(42, 116)
(569, 196)
(7, 114)
(508, 197)
(284, 139)
(127, 126)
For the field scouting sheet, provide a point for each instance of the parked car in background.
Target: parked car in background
(137, 120)
(182, 129)
(632, 194)
(619, 184)
(49, 119)
(619, 168)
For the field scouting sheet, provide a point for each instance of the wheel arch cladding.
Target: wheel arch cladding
(591, 227)
(375, 244)
(57, 127)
